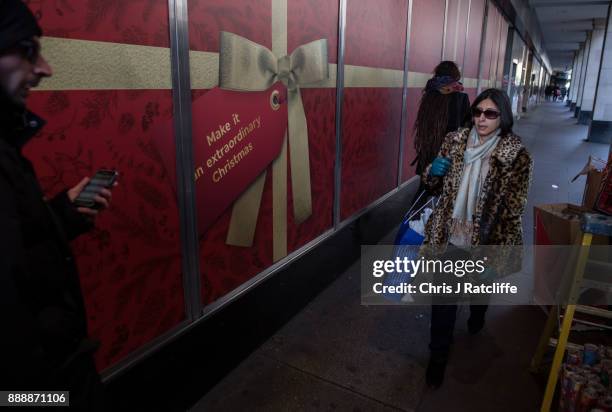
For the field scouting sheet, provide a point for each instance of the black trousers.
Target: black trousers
(444, 311)
(443, 319)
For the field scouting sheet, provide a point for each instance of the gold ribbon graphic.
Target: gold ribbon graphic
(247, 66)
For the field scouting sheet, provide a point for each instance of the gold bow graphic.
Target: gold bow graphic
(248, 66)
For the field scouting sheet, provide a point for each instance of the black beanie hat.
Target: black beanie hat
(16, 23)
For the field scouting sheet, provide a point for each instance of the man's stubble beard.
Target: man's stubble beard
(9, 102)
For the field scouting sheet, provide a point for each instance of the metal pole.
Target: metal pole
(499, 34)
(444, 28)
(402, 142)
(339, 100)
(181, 96)
(483, 39)
(467, 34)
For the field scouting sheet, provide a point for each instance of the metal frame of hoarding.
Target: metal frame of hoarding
(190, 264)
(467, 35)
(144, 351)
(339, 100)
(506, 8)
(215, 306)
(498, 41)
(181, 94)
(377, 202)
(483, 39)
(150, 347)
(444, 29)
(182, 104)
(402, 141)
(181, 90)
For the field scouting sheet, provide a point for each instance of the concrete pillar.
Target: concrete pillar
(583, 76)
(568, 102)
(541, 79)
(593, 62)
(541, 83)
(585, 61)
(527, 87)
(576, 78)
(600, 129)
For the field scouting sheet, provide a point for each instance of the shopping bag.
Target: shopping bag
(408, 241)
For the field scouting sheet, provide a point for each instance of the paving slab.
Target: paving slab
(263, 384)
(489, 371)
(378, 351)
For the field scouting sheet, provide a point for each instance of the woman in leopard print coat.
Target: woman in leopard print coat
(497, 220)
(482, 175)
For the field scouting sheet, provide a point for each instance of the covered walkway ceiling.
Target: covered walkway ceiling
(565, 24)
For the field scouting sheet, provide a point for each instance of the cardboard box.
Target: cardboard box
(593, 172)
(557, 224)
(604, 199)
(592, 188)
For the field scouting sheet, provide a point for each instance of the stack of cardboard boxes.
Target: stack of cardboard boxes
(558, 224)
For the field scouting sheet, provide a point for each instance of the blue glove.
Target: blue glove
(440, 166)
(488, 274)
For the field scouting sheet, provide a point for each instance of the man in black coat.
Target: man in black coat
(43, 344)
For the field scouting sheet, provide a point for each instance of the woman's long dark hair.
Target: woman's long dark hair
(432, 117)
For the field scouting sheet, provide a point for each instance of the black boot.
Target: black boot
(435, 370)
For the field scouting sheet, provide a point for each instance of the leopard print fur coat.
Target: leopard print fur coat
(497, 220)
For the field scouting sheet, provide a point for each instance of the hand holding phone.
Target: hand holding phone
(103, 179)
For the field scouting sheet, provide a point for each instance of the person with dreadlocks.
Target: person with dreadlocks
(443, 109)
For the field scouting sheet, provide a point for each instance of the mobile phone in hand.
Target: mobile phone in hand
(103, 179)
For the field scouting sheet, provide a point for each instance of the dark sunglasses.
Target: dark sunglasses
(489, 113)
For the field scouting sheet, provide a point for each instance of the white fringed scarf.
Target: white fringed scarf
(471, 182)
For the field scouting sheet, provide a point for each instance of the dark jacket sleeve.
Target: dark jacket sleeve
(465, 109)
(21, 353)
(73, 223)
(458, 111)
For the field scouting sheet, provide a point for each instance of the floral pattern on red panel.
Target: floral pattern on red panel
(376, 33)
(370, 146)
(247, 18)
(130, 264)
(413, 98)
(309, 21)
(143, 22)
